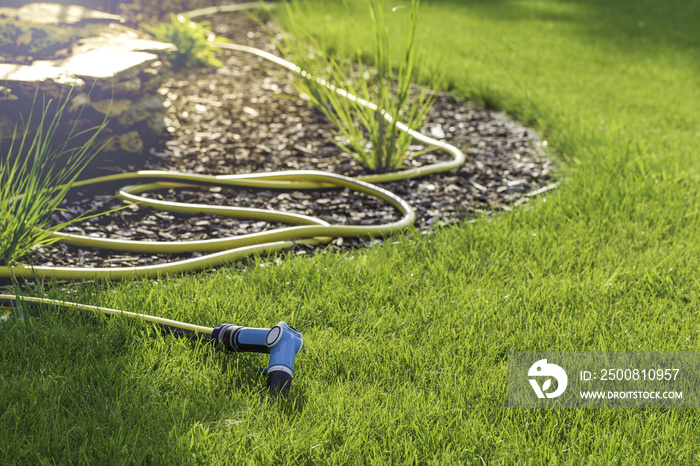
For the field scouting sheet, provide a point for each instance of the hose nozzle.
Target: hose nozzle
(282, 341)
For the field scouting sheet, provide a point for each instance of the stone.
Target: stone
(54, 13)
(151, 85)
(6, 94)
(105, 64)
(79, 101)
(140, 110)
(25, 79)
(117, 36)
(126, 88)
(128, 142)
(111, 107)
(156, 124)
(116, 55)
(115, 72)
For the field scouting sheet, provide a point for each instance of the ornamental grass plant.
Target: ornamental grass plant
(366, 124)
(43, 160)
(196, 44)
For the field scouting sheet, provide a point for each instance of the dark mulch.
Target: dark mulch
(246, 117)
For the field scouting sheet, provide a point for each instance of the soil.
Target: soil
(246, 117)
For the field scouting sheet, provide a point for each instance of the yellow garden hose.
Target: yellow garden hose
(11, 302)
(301, 229)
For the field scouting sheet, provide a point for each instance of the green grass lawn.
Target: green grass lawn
(406, 345)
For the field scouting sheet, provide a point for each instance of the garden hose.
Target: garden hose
(304, 229)
(282, 341)
(222, 250)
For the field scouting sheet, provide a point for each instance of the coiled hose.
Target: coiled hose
(302, 229)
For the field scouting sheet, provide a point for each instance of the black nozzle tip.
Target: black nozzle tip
(279, 382)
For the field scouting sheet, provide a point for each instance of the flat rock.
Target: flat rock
(106, 63)
(54, 13)
(24, 81)
(115, 56)
(120, 37)
(109, 64)
(40, 71)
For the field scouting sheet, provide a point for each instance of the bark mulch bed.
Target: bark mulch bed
(246, 117)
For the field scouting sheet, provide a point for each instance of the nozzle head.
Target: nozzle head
(284, 342)
(279, 381)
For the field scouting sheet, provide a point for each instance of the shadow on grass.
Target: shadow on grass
(78, 386)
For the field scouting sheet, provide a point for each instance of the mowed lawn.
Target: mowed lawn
(406, 344)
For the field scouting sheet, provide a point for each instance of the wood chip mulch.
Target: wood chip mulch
(246, 117)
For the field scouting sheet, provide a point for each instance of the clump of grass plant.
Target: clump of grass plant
(368, 123)
(43, 161)
(196, 44)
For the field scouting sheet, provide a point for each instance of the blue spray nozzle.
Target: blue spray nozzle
(282, 341)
